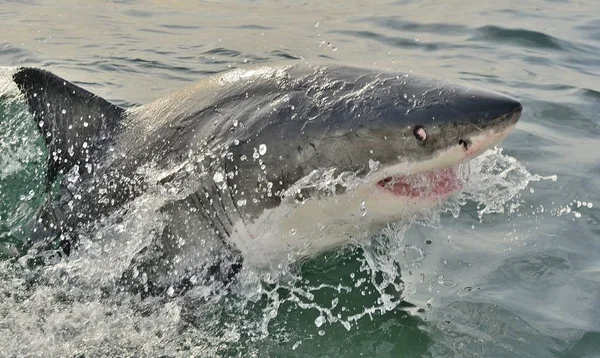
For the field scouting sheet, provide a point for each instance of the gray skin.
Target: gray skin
(309, 118)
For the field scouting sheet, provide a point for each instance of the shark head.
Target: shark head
(345, 151)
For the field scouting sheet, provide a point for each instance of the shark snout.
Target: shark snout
(503, 117)
(503, 107)
(486, 108)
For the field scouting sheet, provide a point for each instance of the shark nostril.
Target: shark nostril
(465, 143)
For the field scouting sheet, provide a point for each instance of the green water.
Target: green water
(515, 273)
(22, 174)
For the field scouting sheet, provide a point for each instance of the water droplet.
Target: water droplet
(27, 197)
(319, 321)
(334, 302)
(235, 122)
(218, 177)
(170, 291)
(373, 164)
(262, 149)
(85, 124)
(64, 111)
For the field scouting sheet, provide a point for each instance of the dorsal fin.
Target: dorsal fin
(75, 123)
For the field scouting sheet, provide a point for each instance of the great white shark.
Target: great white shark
(274, 163)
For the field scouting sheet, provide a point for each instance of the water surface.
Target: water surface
(509, 268)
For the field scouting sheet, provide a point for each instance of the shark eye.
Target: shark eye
(420, 133)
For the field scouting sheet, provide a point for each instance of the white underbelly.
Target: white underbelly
(290, 232)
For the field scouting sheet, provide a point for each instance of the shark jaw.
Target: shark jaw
(437, 183)
(438, 177)
(295, 231)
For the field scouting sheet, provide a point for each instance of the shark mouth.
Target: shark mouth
(442, 182)
(437, 183)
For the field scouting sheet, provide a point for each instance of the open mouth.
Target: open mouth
(436, 183)
(441, 183)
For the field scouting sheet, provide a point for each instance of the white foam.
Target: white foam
(238, 75)
(494, 179)
(18, 136)
(8, 87)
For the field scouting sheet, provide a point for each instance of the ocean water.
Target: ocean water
(509, 267)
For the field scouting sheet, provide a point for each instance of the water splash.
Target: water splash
(16, 122)
(494, 181)
(8, 88)
(22, 154)
(346, 288)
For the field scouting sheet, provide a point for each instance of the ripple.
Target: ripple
(13, 56)
(181, 27)
(221, 51)
(590, 30)
(536, 267)
(520, 37)
(139, 13)
(479, 326)
(439, 29)
(590, 93)
(285, 55)
(400, 42)
(143, 63)
(251, 27)
(566, 117)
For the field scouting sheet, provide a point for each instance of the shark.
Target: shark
(273, 163)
